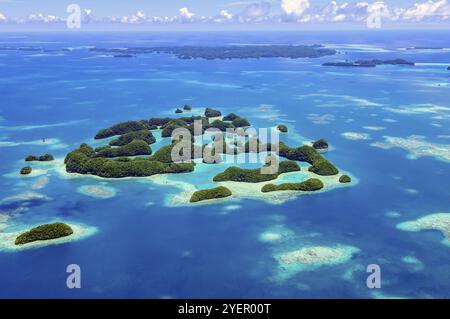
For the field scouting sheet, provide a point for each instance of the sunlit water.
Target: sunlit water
(143, 248)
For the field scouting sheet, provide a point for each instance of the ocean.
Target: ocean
(143, 247)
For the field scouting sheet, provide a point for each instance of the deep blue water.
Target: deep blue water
(155, 251)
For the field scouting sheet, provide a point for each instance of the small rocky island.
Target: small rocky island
(310, 185)
(320, 144)
(26, 170)
(43, 158)
(208, 194)
(129, 154)
(282, 128)
(345, 179)
(44, 232)
(369, 63)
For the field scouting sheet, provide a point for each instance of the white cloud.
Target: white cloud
(225, 14)
(185, 13)
(340, 17)
(295, 7)
(41, 18)
(296, 11)
(257, 10)
(427, 9)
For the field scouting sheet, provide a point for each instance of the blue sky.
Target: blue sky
(228, 12)
(154, 7)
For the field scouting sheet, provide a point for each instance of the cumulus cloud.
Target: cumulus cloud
(138, 17)
(295, 7)
(257, 10)
(186, 14)
(225, 14)
(42, 18)
(419, 11)
(297, 11)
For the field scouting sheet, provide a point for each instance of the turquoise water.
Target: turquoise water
(146, 249)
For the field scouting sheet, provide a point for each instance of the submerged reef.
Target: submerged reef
(208, 194)
(44, 232)
(317, 256)
(417, 147)
(97, 191)
(308, 258)
(439, 222)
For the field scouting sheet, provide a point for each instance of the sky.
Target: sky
(237, 14)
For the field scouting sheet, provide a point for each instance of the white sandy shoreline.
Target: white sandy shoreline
(7, 239)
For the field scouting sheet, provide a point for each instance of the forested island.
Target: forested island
(208, 194)
(128, 153)
(228, 52)
(44, 232)
(42, 158)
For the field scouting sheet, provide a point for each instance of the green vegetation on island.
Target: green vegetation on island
(43, 158)
(240, 122)
(44, 232)
(187, 107)
(230, 117)
(26, 170)
(370, 63)
(156, 122)
(178, 111)
(84, 160)
(208, 194)
(229, 52)
(282, 128)
(310, 185)
(134, 148)
(142, 135)
(237, 174)
(320, 144)
(209, 112)
(221, 125)
(345, 179)
(184, 122)
(320, 165)
(123, 128)
(134, 138)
